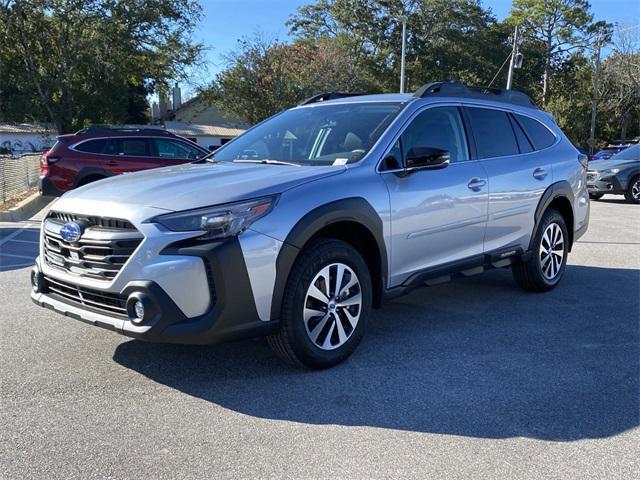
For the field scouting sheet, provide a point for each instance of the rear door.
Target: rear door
(518, 174)
(169, 151)
(128, 154)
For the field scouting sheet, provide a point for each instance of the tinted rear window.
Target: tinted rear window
(92, 146)
(492, 132)
(135, 147)
(539, 135)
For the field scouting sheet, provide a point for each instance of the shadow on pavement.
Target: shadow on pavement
(18, 248)
(477, 358)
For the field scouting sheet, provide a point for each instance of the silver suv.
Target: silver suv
(298, 228)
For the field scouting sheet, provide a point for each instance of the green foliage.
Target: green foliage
(74, 62)
(266, 76)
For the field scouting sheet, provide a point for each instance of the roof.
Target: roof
(25, 128)
(199, 130)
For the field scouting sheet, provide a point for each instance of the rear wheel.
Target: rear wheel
(90, 179)
(595, 196)
(544, 270)
(633, 190)
(326, 306)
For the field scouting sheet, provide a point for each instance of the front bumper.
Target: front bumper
(604, 185)
(231, 314)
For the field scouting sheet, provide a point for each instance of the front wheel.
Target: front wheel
(545, 268)
(633, 190)
(326, 306)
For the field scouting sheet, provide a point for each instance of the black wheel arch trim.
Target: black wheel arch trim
(355, 209)
(561, 189)
(87, 172)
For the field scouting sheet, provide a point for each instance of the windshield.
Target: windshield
(319, 135)
(631, 153)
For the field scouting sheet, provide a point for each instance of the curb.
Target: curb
(25, 209)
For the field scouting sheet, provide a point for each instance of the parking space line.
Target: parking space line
(12, 255)
(16, 233)
(34, 242)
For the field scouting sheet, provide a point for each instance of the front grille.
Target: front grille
(106, 223)
(100, 253)
(110, 303)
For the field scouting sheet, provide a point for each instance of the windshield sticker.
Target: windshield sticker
(340, 161)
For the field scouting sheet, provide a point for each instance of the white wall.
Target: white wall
(39, 141)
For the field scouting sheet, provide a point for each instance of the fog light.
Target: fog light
(138, 309)
(141, 309)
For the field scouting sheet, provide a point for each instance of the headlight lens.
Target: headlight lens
(610, 171)
(220, 221)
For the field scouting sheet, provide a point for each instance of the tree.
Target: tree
(87, 61)
(264, 76)
(560, 25)
(447, 39)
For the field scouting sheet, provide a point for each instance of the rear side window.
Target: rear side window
(523, 141)
(492, 132)
(134, 147)
(92, 146)
(539, 135)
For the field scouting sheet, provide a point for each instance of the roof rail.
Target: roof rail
(138, 130)
(457, 89)
(323, 97)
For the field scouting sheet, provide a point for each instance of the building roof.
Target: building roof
(199, 130)
(26, 128)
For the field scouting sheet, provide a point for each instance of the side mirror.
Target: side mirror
(420, 158)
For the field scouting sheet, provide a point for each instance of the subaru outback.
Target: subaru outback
(299, 227)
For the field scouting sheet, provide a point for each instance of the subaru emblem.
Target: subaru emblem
(71, 232)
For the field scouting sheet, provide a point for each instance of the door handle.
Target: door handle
(476, 183)
(111, 163)
(539, 173)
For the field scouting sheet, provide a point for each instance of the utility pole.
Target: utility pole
(512, 63)
(594, 98)
(402, 55)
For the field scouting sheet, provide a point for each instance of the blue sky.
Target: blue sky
(226, 21)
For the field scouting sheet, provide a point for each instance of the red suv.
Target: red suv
(99, 152)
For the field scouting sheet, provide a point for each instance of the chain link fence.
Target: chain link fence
(18, 174)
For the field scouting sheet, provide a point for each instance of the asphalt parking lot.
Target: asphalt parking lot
(472, 379)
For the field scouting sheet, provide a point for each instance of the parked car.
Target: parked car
(299, 227)
(100, 152)
(619, 175)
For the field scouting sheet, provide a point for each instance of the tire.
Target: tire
(595, 196)
(537, 274)
(633, 190)
(313, 333)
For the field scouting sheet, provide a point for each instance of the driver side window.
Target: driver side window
(439, 127)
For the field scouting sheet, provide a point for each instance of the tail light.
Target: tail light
(45, 161)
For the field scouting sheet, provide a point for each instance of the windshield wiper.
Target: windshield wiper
(267, 162)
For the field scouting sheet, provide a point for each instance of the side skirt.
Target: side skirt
(468, 267)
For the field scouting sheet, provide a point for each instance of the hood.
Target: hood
(599, 165)
(189, 186)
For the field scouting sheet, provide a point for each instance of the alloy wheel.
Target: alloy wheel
(635, 189)
(332, 306)
(551, 251)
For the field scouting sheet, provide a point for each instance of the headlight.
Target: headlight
(219, 221)
(610, 171)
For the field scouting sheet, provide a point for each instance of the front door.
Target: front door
(437, 216)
